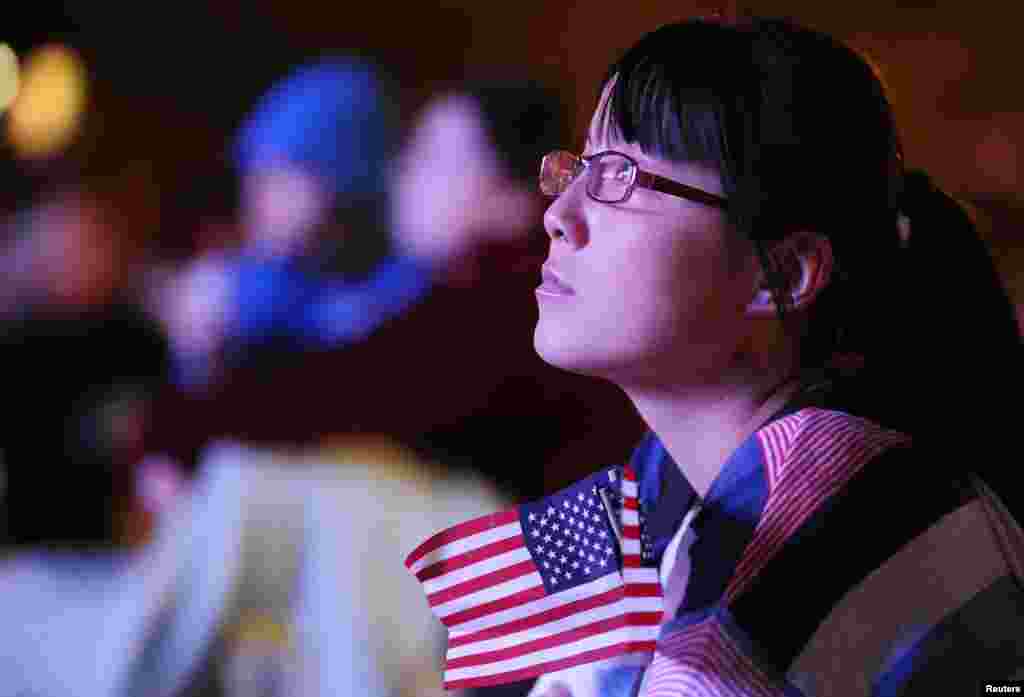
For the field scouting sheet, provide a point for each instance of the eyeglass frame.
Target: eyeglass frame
(642, 178)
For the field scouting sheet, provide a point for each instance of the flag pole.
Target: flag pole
(616, 523)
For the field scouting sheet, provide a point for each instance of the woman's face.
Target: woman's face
(657, 289)
(282, 207)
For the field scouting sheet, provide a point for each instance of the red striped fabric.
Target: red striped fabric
(507, 618)
(809, 456)
(702, 661)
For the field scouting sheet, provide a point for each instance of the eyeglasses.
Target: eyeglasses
(612, 178)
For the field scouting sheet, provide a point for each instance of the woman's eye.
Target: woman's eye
(619, 174)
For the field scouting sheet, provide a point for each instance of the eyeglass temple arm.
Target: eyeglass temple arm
(667, 186)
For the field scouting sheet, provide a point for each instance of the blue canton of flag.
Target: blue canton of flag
(570, 534)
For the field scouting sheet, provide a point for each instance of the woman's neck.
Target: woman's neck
(702, 427)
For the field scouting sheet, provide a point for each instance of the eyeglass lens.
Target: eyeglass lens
(609, 180)
(557, 171)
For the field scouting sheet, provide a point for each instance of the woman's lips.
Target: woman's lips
(552, 284)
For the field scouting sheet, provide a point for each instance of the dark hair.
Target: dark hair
(523, 118)
(801, 131)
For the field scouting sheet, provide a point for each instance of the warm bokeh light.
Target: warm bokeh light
(46, 115)
(8, 76)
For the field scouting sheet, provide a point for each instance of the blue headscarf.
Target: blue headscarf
(332, 116)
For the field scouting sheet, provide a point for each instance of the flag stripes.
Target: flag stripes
(542, 587)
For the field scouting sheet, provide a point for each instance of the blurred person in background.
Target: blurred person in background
(256, 577)
(464, 211)
(260, 577)
(84, 362)
(89, 361)
(310, 601)
(430, 346)
(314, 268)
(280, 585)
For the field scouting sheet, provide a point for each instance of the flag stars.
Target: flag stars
(572, 539)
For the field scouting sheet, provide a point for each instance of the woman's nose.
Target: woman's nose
(563, 220)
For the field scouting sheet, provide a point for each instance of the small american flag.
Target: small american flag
(543, 586)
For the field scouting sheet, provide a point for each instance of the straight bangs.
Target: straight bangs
(664, 99)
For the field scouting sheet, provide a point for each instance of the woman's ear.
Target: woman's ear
(802, 262)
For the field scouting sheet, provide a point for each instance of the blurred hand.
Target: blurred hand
(160, 483)
(196, 306)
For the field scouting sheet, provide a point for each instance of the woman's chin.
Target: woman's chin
(574, 356)
(556, 351)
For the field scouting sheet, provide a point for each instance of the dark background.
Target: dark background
(171, 81)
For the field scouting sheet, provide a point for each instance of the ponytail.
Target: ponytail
(944, 363)
(965, 337)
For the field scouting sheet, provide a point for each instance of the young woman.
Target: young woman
(807, 329)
